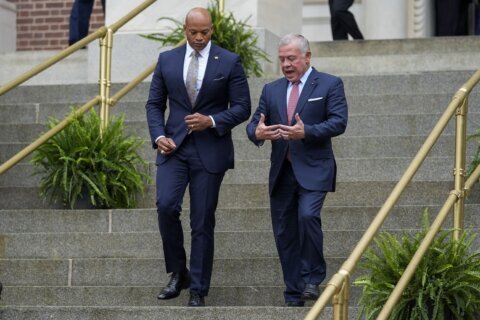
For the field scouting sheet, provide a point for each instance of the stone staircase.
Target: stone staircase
(107, 264)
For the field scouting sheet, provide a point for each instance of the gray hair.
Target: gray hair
(302, 42)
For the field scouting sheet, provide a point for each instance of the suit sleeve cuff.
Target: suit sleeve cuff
(213, 122)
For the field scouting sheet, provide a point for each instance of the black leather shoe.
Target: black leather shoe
(178, 281)
(196, 300)
(310, 292)
(294, 304)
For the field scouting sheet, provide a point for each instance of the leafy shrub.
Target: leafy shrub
(445, 285)
(78, 162)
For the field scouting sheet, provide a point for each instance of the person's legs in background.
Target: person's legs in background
(80, 20)
(342, 21)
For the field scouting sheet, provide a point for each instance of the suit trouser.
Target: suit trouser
(451, 17)
(80, 19)
(182, 169)
(297, 229)
(342, 21)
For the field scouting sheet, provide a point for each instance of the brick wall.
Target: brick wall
(43, 24)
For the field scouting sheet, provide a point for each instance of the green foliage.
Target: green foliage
(228, 33)
(447, 281)
(77, 161)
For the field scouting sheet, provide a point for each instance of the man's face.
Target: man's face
(198, 30)
(294, 64)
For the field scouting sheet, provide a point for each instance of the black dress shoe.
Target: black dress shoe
(178, 281)
(310, 292)
(294, 304)
(196, 300)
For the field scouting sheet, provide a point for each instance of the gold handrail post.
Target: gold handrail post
(341, 298)
(221, 5)
(105, 76)
(459, 170)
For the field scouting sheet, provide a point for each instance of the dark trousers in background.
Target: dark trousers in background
(80, 19)
(297, 228)
(342, 21)
(185, 168)
(451, 17)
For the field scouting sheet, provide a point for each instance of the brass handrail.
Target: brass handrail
(106, 35)
(51, 61)
(336, 285)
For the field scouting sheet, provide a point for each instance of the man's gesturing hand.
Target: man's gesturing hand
(295, 132)
(264, 132)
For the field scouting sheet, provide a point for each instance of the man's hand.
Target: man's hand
(295, 132)
(264, 132)
(198, 122)
(166, 146)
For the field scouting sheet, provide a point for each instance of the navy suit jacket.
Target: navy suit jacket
(224, 95)
(322, 106)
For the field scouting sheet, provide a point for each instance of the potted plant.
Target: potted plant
(446, 284)
(229, 33)
(78, 162)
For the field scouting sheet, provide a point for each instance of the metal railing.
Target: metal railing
(337, 289)
(105, 34)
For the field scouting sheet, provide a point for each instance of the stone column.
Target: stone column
(420, 19)
(8, 27)
(385, 19)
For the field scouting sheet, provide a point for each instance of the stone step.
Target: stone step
(233, 219)
(113, 272)
(256, 171)
(135, 110)
(347, 147)
(228, 244)
(157, 313)
(179, 312)
(393, 56)
(371, 193)
(439, 82)
(359, 125)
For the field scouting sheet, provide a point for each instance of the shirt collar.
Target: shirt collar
(203, 53)
(303, 79)
(305, 76)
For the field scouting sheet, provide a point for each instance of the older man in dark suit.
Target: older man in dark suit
(208, 96)
(300, 113)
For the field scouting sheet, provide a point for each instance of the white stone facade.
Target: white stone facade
(8, 27)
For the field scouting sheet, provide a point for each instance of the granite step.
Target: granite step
(234, 219)
(160, 313)
(370, 193)
(34, 112)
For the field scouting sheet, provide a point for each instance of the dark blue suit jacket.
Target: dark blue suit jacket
(322, 106)
(224, 95)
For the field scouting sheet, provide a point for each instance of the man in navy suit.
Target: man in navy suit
(303, 167)
(194, 146)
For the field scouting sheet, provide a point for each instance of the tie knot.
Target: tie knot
(296, 83)
(195, 53)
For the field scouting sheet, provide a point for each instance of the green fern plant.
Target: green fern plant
(77, 162)
(229, 33)
(446, 284)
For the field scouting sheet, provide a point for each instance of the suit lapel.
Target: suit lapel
(213, 62)
(282, 101)
(179, 61)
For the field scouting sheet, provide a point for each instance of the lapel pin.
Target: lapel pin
(216, 57)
